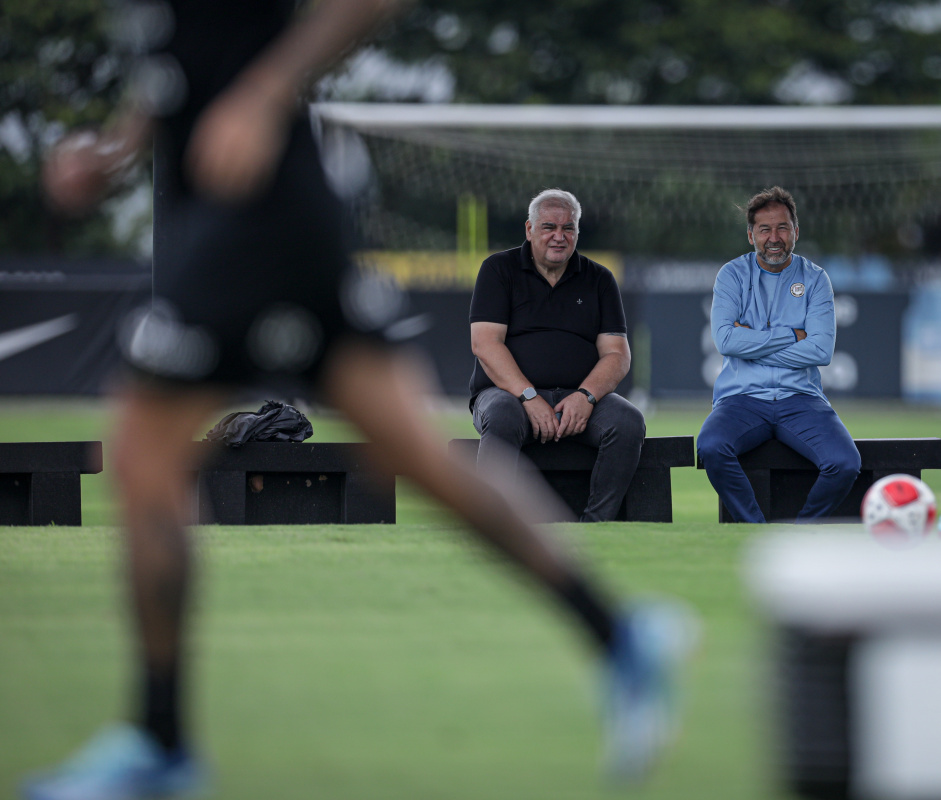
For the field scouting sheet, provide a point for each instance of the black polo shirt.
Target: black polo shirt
(551, 330)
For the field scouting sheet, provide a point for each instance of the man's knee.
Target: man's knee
(712, 443)
(843, 462)
(499, 414)
(622, 419)
(631, 420)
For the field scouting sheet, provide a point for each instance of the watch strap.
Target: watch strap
(589, 395)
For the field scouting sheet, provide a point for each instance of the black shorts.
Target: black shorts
(256, 293)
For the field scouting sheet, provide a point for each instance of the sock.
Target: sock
(160, 715)
(595, 612)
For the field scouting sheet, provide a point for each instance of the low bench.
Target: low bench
(566, 466)
(782, 479)
(40, 482)
(290, 483)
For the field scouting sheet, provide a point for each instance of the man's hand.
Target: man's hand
(543, 419)
(739, 325)
(88, 165)
(74, 177)
(575, 410)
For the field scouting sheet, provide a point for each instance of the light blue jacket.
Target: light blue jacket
(765, 360)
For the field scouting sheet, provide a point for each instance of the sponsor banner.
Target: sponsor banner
(867, 361)
(921, 345)
(58, 324)
(447, 341)
(449, 271)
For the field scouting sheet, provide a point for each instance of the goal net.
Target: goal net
(653, 181)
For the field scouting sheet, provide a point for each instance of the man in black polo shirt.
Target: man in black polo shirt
(550, 337)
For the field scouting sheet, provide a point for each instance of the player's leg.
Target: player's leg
(151, 459)
(812, 428)
(738, 424)
(641, 648)
(383, 392)
(617, 429)
(151, 452)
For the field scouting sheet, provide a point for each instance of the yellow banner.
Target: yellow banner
(429, 270)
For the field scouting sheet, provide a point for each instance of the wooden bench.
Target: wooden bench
(567, 465)
(290, 483)
(782, 479)
(40, 482)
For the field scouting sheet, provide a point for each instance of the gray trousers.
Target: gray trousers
(615, 428)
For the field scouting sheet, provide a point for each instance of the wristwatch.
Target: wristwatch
(528, 394)
(589, 395)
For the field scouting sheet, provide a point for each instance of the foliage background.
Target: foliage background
(677, 52)
(59, 68)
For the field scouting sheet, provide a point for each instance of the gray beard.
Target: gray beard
(775, 261)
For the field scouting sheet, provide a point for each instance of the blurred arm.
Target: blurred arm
(240, 137)
(86, 166)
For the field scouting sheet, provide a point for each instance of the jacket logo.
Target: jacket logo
(797, 289)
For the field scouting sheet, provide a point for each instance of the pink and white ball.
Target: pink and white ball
(899, 511)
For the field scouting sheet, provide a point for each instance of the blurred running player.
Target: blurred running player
(253, 287)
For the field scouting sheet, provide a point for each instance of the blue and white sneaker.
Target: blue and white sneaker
(122, 762)
(641, 718)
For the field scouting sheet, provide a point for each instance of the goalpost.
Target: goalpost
(665, 182)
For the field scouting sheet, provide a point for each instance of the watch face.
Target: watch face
(529, 393)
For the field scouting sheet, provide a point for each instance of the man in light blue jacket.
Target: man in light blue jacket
(773, 323)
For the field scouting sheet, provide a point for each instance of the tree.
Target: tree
(57, 70)
(679, 51)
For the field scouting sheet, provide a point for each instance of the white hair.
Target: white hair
(554, 198)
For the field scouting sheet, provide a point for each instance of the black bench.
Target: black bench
(566, 467)
(291, 483)
(40, 482)
(782, 479)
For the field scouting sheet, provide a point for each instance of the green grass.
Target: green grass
(378, 662)
(693, 498)
(361, 662)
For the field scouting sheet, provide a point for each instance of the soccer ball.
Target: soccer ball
(899, 510)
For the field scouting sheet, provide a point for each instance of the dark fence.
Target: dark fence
(58, 323)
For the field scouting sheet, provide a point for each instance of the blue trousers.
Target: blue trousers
(616, 428)
(804, 423)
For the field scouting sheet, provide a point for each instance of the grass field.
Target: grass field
(361, 662)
